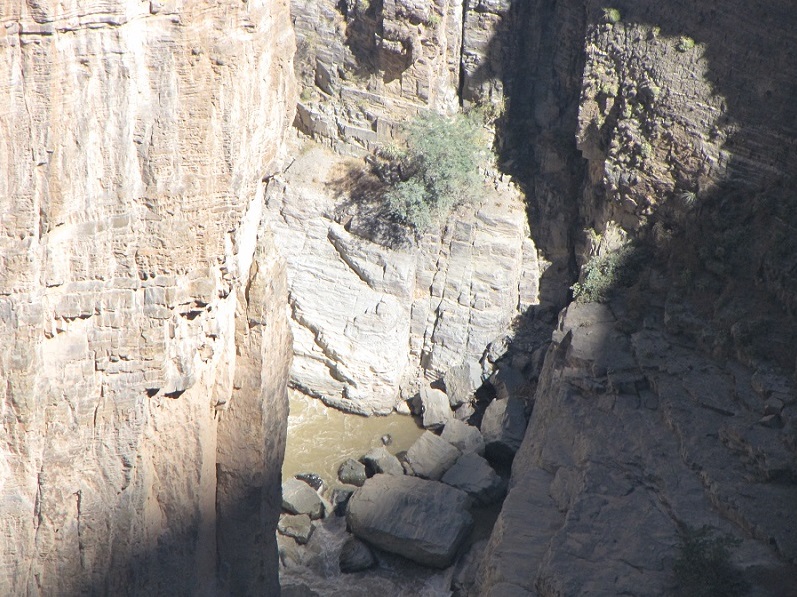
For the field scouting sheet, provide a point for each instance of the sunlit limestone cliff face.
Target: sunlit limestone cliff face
(142, 305)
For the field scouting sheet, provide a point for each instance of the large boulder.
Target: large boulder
(424, 521)
(461, 382)
(435, 408)
(465, 438)
(299, 498)
(503, 427)
(379, 460)
(474, 475)
(431, 456)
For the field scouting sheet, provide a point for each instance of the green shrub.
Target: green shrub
(604, 273)
(685, 44)
(439, 168)
(703, 567)
(612, 15)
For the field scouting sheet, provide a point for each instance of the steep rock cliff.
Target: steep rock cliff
(366, 65)
(673, 406)
(141, 300)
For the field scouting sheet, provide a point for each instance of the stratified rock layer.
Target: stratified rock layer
(141, 300)
(367, 317)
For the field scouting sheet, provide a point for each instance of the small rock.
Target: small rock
(465, 412)
(461, 382)
(379, 460)
(299, 498)
(465, 438)
(352, 472)
(355, 556)
(403, 408)
(298, 526)
(507, 382)
(771, 421)
(473, 475)
(340, 498)
(313, 480)
(386, 439)
(773, 406)
(431, 456)
(435, 409)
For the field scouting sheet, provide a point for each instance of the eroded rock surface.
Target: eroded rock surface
(367, 317)
(145, 346)
(631, 438)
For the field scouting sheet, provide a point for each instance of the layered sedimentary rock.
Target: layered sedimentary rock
(365, 66)
(368, 317)
(141, 300)
(671, 407)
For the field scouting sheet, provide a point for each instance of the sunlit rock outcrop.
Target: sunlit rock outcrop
(145, 347)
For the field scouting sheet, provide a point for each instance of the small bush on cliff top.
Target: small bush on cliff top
(438, 169)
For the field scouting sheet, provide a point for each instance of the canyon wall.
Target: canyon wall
(365, 66)
(145, 345)
(672, 405)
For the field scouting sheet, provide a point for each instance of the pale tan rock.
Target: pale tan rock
(368, 317)
(140, 299)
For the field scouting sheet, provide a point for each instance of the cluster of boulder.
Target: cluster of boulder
(417, 503)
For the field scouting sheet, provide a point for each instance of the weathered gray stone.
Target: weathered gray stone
(465, 412)
(352, 472)
(474, 475)
(465, 438)
(461, 382)
(424, 521)
(298, 526)
(368, 318)
(435, 409)
(503, 427)
(355, 556)
(467, 566)
(299, 498)
(379, 460)
(507, 382)
(431, 456)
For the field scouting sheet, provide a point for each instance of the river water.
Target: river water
(319, 439)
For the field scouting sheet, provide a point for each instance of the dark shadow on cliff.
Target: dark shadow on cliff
(362, 210)
(717, 271)
(733, 252)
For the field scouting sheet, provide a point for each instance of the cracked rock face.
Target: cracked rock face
(368, 319)
(366, 66)
(632, 437)
(141, 299)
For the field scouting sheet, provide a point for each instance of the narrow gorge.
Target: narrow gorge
(580, 381)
